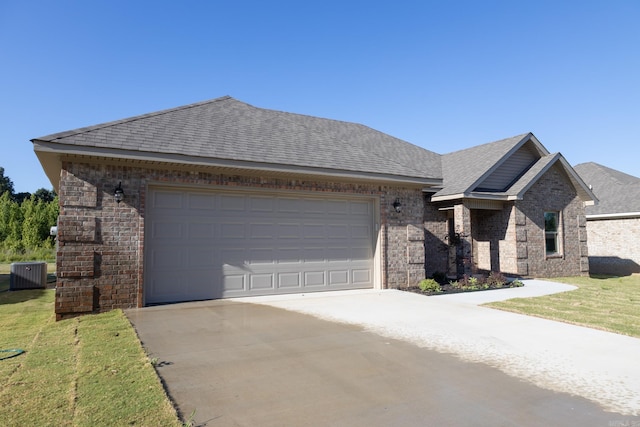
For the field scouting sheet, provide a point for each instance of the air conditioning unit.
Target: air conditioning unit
(28, 275)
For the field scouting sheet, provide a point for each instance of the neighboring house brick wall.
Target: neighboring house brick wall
(101, 243)
(552, 192)
(613, 246)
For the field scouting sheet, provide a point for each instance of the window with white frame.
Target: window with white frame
(552, 232)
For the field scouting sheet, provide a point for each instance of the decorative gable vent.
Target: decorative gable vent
(510, 170)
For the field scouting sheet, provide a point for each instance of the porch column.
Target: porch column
(462, 221)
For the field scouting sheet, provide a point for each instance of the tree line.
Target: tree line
(26, 218)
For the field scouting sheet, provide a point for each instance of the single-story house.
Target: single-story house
(222, 199)
(613, 225)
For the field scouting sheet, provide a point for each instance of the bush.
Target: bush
(24, 227)
(517, 284)
(440, 277)
(429, 285)
(496, 280)
(38, 254)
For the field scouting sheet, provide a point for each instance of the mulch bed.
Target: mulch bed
(448, 289)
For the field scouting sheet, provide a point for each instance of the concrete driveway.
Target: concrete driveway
(387, 358)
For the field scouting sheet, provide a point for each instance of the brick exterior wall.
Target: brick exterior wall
(512, 240)
(494, 244)
(436, 244)
(552, 192)
(101, 243)
(613, 246)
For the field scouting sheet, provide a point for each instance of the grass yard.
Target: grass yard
(607, 303)
(87, 371)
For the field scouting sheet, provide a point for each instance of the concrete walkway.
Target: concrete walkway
(600, 366)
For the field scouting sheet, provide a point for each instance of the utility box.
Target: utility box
(28, 275)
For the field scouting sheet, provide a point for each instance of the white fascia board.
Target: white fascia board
(625, 215)
(61, 149)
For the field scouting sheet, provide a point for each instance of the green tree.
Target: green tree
(5, 183)
(15, 217)
(45, 195)
(5, 215)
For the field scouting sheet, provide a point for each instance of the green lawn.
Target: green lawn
(607, 303)
(87, 371)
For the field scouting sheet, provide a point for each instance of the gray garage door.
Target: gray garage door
(204, 245)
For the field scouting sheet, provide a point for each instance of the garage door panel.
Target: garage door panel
(313, 231)
(202, 230)
(233, 283)
(202, 257)
(232, 230)
(361, 276)
(309, 255)
(314, 278)
(265, 230)
(338, 254)
(289, 231)
(261, 282)
(260, 256)
(339, 277)
(167, 200)
(361, 254)
(339, 231)
(360, 232)
(166, 287)
(288, 256)
(218, 244)
(167, 259)
(231, 203)
(289, 280)
(262, 204)
(200, 201)
(337, 207)
(167, 230)
(360, 208)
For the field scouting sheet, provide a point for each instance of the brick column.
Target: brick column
(462, 221)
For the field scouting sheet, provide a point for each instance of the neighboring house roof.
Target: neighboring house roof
(229, 133)
(502, 170)
(618, 192)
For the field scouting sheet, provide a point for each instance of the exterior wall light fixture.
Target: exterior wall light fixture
(397, 205)
(118, 193)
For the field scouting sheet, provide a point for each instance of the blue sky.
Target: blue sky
(445, 75)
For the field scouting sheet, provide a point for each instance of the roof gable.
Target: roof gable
(228, 130)
(532, 175)
(502, 170)
(465, 170)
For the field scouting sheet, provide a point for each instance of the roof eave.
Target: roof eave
(49, 155)
(473, 195)
(624, 215)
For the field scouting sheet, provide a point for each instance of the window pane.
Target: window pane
(551, 245)
(550, 221)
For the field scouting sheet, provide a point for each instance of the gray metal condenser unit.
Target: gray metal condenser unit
(28, 275)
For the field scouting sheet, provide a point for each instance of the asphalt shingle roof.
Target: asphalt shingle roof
(225, 128)
(618, 192)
